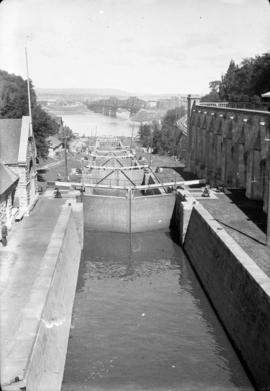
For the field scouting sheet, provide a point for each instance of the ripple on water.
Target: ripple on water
(142, 322)
(98, 269)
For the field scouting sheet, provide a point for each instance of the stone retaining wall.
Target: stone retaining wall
(37, 358)
(228, 146)
(238, 289)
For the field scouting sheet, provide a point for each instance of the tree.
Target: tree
(213, 95)
(65, 133)
(13, 96)
(260, 77)
(145, 135)
(167, 139)
(247, 81)
(157, 141)
(227, 85)
(242, 83)
(214, 85)
(14, 104)
(43, 126)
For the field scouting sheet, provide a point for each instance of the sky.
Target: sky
(140, 46)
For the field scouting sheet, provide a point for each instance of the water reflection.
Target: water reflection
(142, 322)
(94, 124)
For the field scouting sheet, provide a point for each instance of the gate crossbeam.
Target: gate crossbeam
(118, 168)
(133, 183)
(77, 185)
(105, 177)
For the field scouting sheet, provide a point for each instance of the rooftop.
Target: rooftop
(54, 142)
(7, 179)
(14, 135)
(10, 134)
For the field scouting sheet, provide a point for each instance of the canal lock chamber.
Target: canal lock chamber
(141, 320)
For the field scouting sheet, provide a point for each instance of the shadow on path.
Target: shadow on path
(241, 232)
(253, 209)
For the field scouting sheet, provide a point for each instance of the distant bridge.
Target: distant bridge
(111, 105)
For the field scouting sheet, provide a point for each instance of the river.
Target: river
(94, 124)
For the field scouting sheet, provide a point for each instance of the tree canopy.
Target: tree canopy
(14, 104)
(242, 83)
(164, 138)
(146, 135)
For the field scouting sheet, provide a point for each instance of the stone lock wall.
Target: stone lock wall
(238, 289)
(228, 146)
(183, 206)
(36, 359)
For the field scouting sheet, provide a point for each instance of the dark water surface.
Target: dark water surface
(142, 322)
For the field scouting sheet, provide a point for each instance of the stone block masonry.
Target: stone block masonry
(26, 189)
(36, 357)
(238, 289)
(6, 209)
(229, 146)
(184, 204)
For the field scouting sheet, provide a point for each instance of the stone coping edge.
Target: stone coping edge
(15, 368)
(255, 272)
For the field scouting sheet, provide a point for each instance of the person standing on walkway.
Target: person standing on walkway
(4, 234)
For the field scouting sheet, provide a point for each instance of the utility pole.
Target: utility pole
(129, 194)
(66, 168)
(31, 132)
(65, 147)
(28, 89)
(131, 141)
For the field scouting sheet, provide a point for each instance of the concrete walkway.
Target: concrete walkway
(20, 263)
(247, 234)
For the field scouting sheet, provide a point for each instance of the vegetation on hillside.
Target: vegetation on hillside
(164, 138)
(14, 104)
(242, 83)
